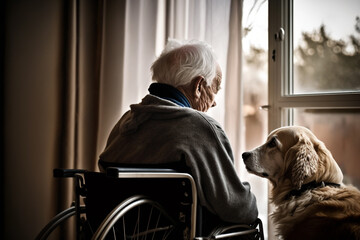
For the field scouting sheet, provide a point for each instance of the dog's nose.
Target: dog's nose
(245, 155)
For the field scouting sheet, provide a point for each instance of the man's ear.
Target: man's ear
(197, 85)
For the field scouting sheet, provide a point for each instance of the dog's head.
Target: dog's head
(293, 156)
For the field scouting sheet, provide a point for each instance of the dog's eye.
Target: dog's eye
(272, 143)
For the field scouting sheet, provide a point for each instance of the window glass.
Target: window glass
(339, 129)
(255, 70)
(255, 88)
(326, 43)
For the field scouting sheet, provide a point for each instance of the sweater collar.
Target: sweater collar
(170, 93)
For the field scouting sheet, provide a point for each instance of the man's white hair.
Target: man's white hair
(182, 61)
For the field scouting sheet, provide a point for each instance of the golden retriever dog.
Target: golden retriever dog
(307, 190)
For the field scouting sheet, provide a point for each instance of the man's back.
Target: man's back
(158, 131)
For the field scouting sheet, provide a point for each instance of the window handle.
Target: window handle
(280, 35)
(265, 107)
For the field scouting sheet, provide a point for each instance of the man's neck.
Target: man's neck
(170, 93)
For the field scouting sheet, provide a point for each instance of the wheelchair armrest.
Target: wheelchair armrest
(113, 171)
(66, 173)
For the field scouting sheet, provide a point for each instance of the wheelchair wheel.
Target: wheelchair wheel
(139, 217)
(59, 220)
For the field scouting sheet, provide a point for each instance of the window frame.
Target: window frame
(280, 95)
(281, 102)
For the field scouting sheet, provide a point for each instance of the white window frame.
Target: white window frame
(281, 73)
(280, 77)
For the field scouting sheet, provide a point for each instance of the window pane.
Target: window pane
(340, 131)
(255, 85)
(255, 70)
(326, 38)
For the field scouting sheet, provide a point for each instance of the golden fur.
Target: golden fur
(291, 157)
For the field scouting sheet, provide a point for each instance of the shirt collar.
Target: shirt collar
(170, 93)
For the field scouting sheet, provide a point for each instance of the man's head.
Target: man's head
(192, 68)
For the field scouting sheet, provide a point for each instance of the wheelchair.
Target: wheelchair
(141, 203)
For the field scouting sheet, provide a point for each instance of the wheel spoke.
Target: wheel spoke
(124, 228)
(145, 219)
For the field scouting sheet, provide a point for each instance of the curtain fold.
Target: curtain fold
(67, 129)
(233, 88)
(112, 71)
(139, 49)
(79, 91)
(88, 64)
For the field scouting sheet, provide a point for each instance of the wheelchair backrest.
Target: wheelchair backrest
(176, 192)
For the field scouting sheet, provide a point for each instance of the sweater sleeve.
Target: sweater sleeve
(219, 187)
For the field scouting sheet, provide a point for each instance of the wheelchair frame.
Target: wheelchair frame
(137, 173)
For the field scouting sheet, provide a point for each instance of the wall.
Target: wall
(32, 75)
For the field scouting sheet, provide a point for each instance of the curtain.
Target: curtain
(80, 88)
(233, 87)
(109, 47)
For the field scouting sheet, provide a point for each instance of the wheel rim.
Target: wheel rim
(139, 218)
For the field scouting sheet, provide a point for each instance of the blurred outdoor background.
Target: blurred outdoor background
(326, 60)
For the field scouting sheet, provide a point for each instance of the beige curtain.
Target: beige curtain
(81, 83)
(109, 45)
(79, 95)
(233, 88)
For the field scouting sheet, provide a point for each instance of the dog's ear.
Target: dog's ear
(305, 161)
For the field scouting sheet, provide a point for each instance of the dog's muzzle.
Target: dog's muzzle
(246, 155)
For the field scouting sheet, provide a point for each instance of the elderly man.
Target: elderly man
(170, 126)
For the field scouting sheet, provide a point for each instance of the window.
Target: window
(326, 55)
(255, 84)
(314, 74)
(255, 70)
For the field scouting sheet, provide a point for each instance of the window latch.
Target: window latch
(273, 56)
(264, 107)
(280, 35)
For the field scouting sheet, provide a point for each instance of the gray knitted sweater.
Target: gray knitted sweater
(159, 131)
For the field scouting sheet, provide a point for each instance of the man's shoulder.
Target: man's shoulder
(174, 111)
(208, 119)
